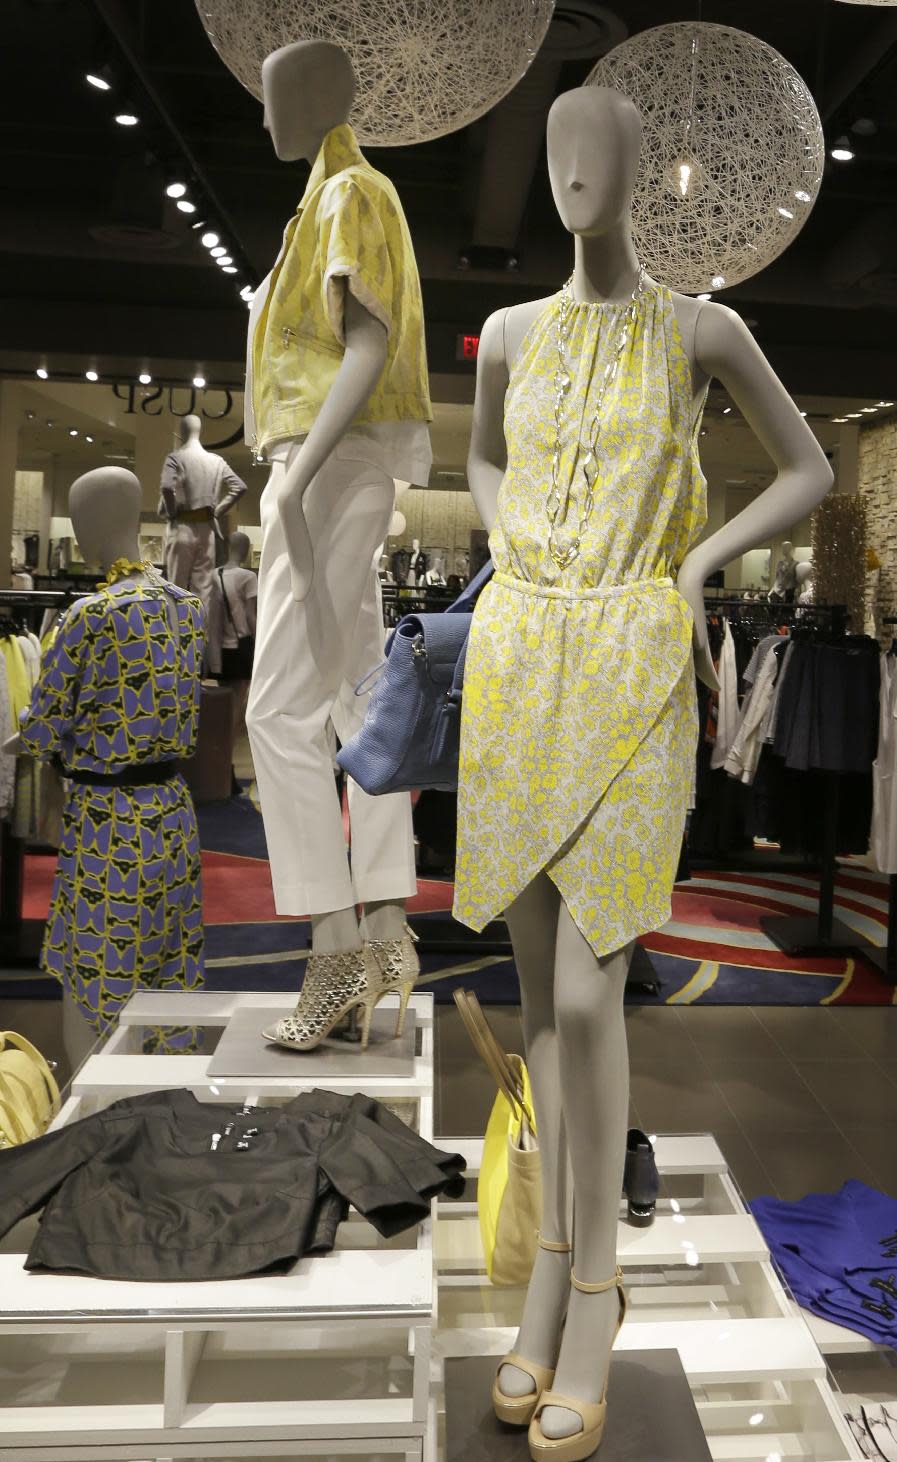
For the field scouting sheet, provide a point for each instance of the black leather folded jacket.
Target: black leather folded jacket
(146, 1190)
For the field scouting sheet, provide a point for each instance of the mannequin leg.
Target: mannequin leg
(594, 1079)
(78, 1035)
(532, 921)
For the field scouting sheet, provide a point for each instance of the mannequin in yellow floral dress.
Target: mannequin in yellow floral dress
(579, 716)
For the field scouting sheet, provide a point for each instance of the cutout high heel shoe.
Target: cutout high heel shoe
(399, 968)
(335, 985)
(518, 1410)
(593, 1414)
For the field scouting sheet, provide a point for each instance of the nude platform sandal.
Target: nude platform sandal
(583, 1443)
(518, 1410)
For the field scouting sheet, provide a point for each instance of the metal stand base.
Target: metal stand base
(800, 934)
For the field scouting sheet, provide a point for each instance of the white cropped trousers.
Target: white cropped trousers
(309, 657)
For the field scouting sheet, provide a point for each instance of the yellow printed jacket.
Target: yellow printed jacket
(349, 231)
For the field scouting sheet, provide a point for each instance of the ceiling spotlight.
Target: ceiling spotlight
(73, 431)
(803, 413)
(126, 119)
(145, 378)
(88, 439)
(99, 79)
(185, 205)
(842, 151)
(42, 372)
(705, 296)
(209, 240)
(50, 423)
(229, 269)
(219, 251)
(718, 281)
(30, 415)
(175, 189)
(726, 410)
(869, 410)
(839, 419)
(91, 375)
(224, 259)
(886, 403)
(854, 416)
(247, 292)
(199, 382)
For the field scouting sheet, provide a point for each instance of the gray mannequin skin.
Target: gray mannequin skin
(238, 546)
(573, 1002)
(190, 430)
(308, 89)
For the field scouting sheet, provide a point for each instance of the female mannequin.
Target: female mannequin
(785, 581)
(337, 402)
(572, 979)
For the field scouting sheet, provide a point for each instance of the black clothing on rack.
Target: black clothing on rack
(165, 1187)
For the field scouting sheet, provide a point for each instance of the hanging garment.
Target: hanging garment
(744, 753)
(118, 692)
(883, 841)
(827, 716)
(579, 719)
(7, 759)
(165, 1187)
(727, 712)
(838, 1252)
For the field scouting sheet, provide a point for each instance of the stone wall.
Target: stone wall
(439, 520)
(877, 481)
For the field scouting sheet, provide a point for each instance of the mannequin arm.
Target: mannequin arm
(725, 348)
(359, 372)
(488, 456)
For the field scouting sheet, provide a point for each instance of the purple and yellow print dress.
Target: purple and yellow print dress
(119, 687)
(579, 716)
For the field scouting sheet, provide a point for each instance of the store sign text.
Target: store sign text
(152, 400)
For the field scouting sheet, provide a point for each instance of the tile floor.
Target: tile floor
(799, 1099)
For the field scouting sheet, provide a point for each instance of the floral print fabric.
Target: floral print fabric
(579, 720)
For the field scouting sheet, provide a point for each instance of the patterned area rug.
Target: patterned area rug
(712, 952)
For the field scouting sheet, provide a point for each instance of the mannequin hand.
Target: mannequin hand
(288, 501)
(690, 583)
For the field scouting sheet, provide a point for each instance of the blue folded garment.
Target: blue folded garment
(838, 1253)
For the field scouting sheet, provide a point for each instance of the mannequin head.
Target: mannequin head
(787, 549)
(191, 426)
(415, 545)
(308, 87)
(594, 142)
(104, 506)
(803, 572)
(238, 546)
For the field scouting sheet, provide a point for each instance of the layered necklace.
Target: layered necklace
(562, 547)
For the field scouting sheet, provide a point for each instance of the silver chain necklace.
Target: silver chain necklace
(564, 553)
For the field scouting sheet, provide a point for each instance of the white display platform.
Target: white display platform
(699, 1280)
(331, 1359)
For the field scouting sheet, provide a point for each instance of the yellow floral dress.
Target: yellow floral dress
(579, 721)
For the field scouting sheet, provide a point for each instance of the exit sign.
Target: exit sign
(467, 347)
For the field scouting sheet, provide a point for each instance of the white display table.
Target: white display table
(331, 1359)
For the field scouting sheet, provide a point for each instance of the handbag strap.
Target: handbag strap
(491, 1052)
(479, 580)
(19, 1043)
(11, 1128)
(227, 603)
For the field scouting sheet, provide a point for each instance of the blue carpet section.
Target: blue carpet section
(232, 827)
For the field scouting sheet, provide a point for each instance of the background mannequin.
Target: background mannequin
(325, 511)
(573, 1018)
(148, 812)
(785, 581)
(804, 582)
(237, 588)
(417, 565)
(435, 575)
(191, 504)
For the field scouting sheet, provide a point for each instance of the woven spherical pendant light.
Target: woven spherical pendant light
(732, 155)
(424, 67)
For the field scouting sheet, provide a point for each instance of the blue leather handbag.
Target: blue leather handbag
(412, 728)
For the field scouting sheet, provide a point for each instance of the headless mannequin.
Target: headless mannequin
(436, 574)
(572, 1001)
(308, 89)
(238, 546)
(786, 570)
(418, 564)
(804, 582)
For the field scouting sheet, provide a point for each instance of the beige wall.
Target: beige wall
(438, 519)
(877, 479)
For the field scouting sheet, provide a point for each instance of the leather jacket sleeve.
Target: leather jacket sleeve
(31, 1174)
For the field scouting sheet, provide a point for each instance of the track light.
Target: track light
(228, 269)
(209, 240)
(185, 205)
(199, 382)
(99, 78)
(88, 439)
(42, 372)
(91, 375)
(145, 378)
(73, 431)
(175, 189)
(224, 260)
(218, 252)
(842, 151)
(126, 119)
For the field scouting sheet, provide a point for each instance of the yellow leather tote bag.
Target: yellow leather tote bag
(29, 1096)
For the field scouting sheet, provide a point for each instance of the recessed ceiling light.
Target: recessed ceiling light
(219, 251)
(839, 419)
(842, 151)
(803, 413)
(97, 79)
(176, 189)
(50, 423)
(91, 375)
(209, 240)
(886, 403)
(224, 259)
(145, 378)
(88, 439)
(42, 373)
(869, 410)
(229, 269)
(73, 431)
(185, 205)
(126, 119)
(854, 415)
(726, 410)
(199, 382)
(247, 292)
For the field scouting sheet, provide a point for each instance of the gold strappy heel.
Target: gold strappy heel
(583, 1443)
(399, 968)
(335, 985)
(518, 1410)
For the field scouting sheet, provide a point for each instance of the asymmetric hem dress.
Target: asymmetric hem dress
(579, 716)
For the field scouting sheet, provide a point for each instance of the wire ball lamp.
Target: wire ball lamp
(732, 153)
(424, 67)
